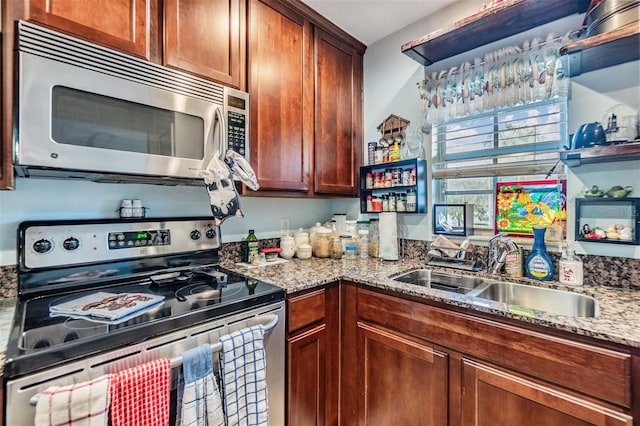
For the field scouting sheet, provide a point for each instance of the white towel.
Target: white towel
(82, 404)
(199, 398)
(243, 371)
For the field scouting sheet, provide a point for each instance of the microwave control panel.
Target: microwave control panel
(236, 108)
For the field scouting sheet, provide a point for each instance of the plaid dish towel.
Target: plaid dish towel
(140, 396)
(242, 366)
(82, 404)
(199, 402)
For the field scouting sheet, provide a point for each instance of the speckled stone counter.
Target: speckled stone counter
(7, 308)
(618, 322)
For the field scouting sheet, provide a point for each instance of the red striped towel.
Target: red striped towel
(82, 404)
(140, 396)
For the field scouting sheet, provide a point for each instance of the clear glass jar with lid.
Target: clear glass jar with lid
(374, 238)
(351, 228)
(362, 224)
(322, 243)
(363, 244)
(313, 231)
(350, 252)
(336, 248)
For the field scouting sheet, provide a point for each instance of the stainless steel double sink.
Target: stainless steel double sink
(518, 298)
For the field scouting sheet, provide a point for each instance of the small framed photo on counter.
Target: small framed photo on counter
(453, 219)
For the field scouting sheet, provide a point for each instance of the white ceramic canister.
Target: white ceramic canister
(288, 246)
(301, 237)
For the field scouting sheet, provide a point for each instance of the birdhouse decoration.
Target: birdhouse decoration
(393, 130)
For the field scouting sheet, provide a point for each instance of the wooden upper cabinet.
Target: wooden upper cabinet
(280, 77)
(120, 24)
(205, 37)
(338, 115)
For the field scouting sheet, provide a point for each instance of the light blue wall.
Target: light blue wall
(43, 199)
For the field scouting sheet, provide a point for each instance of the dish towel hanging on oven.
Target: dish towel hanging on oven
(199, 402)
(243, 373)
(140, 396)
(82, 404)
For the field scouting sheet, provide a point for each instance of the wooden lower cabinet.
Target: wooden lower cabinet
(406, 362)
(307, 370)
(492, 396)
(313, 349)
(400, 380)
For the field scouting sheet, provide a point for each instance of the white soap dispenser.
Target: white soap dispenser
(570, 271)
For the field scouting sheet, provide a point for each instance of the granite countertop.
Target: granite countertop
(618, 321)
(7, 308)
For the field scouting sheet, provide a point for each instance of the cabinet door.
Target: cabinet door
(306, 386)
(338, 115)
(120, 24)
(204, 37)
(400, 381)
(494, 397)
(281, 88)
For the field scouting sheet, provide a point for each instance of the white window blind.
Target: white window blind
(518, 141)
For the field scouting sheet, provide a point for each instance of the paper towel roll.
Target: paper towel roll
(388, 236)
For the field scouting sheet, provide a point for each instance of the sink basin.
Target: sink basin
(542, 299)
(442, 281)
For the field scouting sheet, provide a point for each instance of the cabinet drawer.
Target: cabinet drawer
(598, 372)
(306, 309)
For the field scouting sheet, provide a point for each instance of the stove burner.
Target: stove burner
(205, 292)
(42, 344)
(71, 337)
(201, 291)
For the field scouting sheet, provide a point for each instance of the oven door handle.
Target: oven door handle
(217, 347)
(269, 324)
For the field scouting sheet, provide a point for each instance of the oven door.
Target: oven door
(21, 392)
(77, 119)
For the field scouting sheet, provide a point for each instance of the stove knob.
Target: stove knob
(195, 234)
(211, 233)
(42, 246)
(71, 243)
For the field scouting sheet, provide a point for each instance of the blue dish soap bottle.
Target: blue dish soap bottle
(539, 265)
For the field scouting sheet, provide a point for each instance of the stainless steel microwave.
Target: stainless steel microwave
(85, 111)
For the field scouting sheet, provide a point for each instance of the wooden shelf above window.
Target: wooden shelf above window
(486, 26)
(603, 50)
(601, 154)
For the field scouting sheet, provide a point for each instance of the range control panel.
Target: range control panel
(65, 243)
(148, 238)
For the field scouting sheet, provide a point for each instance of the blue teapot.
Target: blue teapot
(587, 135)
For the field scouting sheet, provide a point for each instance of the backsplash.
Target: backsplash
(8, 281)
(619, 272)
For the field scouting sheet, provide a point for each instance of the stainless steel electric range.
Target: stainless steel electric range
(172, 259)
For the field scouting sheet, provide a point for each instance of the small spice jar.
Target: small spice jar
(369, 181)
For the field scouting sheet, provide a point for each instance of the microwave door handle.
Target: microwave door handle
(223, 143)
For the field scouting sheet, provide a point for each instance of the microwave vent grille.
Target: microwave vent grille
(50, 44)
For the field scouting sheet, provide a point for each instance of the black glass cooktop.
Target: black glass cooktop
(39, 339)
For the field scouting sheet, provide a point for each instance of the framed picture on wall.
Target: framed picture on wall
(521, 205)
(452, 219)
